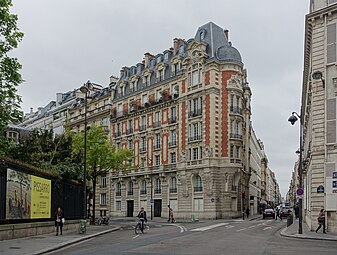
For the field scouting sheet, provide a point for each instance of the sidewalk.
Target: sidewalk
(292, 231)
(49, 242)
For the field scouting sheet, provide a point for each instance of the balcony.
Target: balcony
(173, 190)
(119, 114)
(156, 124)
(195, 138)
(235, 109)
(235, 160)
(173, 143)
(142, 127)
(172, 120)
(117, 134)
(157, 147)
(236, 136)
(198, 189)
(195, 113)
(142, 149)
(129, 131)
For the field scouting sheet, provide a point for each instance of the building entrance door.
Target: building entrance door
(130, 208)
(157, 208)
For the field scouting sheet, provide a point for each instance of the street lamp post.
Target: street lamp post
(292, 119)
(85, 89)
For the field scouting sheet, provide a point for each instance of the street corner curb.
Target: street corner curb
(77, 240)
(301, 236)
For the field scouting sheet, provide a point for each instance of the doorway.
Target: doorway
(130, 208)
(157, 208)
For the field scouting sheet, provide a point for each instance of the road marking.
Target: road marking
(240, 229)
(182, 228)
(228, 227)
(266, 228)
(252, 226)
(210, 227)
(260, 224)
(135, 237)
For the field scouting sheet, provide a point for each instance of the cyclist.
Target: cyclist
(142, 217)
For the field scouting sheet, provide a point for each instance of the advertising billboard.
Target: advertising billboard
(28, 196)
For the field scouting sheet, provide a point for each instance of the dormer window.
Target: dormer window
(181, 49)
(195, 75)
(166, 56)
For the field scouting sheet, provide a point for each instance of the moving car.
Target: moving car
(268, 213)
(285, 212)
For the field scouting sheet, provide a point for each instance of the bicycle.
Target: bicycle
(141, 226)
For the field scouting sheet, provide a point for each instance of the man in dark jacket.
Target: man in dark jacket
(142, 217)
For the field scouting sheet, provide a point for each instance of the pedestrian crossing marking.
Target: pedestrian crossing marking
(209, 227)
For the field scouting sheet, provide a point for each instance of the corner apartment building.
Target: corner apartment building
(186, 114)
(318, 113)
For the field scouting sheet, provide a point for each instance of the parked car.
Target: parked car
(285, 212)
(268, 213)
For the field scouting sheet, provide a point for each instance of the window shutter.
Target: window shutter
(331, 121)
(331, 43)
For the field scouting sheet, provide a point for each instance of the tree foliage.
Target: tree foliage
(101, 156)
(10, 78)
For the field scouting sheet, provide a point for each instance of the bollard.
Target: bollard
(82, 227)
(290, 220)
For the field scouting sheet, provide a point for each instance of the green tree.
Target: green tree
(101, 156)
(10, 78)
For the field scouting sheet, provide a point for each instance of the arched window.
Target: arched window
(143, 187)
(130, 188)
(157, 189)
(118, 189)
(173, 185)
(197, 182)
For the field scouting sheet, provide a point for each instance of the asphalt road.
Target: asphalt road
(208, 237)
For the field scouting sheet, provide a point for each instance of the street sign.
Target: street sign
(334, 175)
(320, 189)
(151, 201)
(299, 192)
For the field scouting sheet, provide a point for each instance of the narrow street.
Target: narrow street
(207, 237)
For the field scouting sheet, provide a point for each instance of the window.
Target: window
(157, 189)
(197, 183)
(237, 151)
(118, 146)
(195, 75)
(143, 187)
(173, 185)
(158, 94)
(157, 117)
(118, 205)
(173, 158)
(173, 138)
(144, 99)
(198, 204)
(104, 122)
(143, 120)
(148, 80)
(195, 154)
(130, 188)
(142, 162)
(103, 181)
(232, 151)
(130, 144)
(118, 189)
(143, 144)
(331, 43)
(103, 199)
(157, 160)
(157, 141)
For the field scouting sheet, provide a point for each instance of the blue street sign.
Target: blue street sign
(299, 192)
(151, 201)
(334, 175)
(320, 189)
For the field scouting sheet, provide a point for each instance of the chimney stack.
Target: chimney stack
(226, 34)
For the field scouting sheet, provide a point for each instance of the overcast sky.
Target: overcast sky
(68, 42)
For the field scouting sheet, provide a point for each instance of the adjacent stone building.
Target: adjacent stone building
(318, 113)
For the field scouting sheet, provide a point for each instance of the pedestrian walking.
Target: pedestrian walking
(247, 212)
(171, 218)
(277, 213)
(321, 221)
(59, 220)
